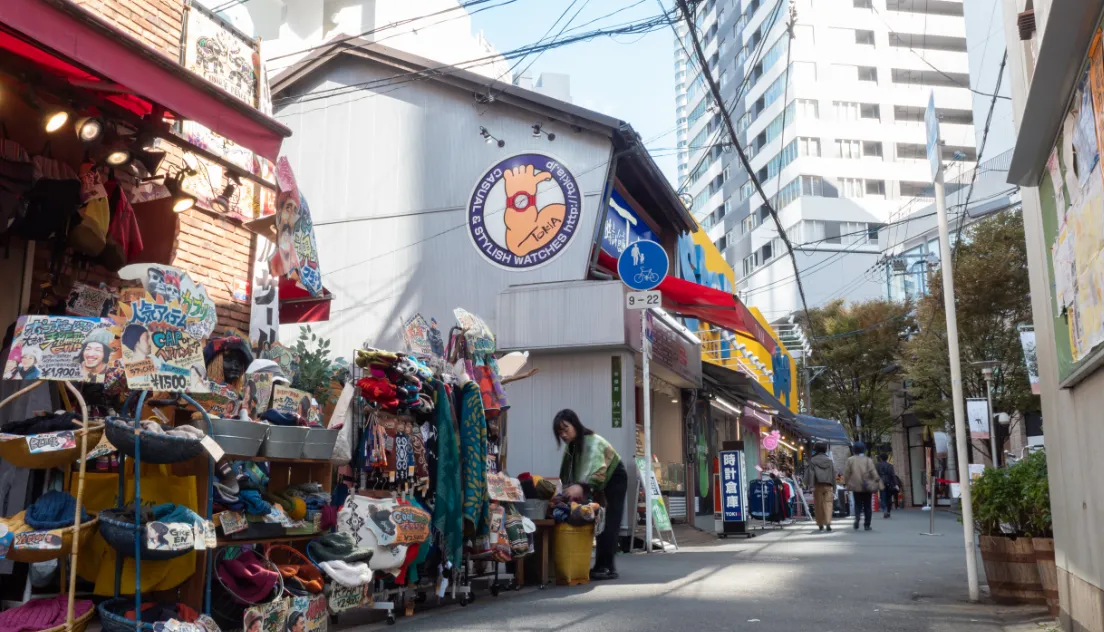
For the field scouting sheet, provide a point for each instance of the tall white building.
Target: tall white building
(848, 161)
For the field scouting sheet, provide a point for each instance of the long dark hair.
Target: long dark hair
(568, 416)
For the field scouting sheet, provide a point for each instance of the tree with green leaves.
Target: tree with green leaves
(992, 301)
(856, 347)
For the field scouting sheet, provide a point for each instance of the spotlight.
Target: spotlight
(89, 129)
(538, 129)
(118, 155)
(489, 138)
(150, 159)
(181, 199)
(224, 198)
(55, 120)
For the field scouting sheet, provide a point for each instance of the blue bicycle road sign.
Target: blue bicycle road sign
(643, 265)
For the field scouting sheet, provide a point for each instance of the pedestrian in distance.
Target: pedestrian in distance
(861, 478)
(889, 483)
(820, 476)
(592, 468)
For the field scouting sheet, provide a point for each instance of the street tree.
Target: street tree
(993, 301)
(857, 346)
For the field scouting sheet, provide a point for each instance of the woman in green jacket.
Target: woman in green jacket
(592, 466)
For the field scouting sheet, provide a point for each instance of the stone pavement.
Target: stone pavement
(890, 579)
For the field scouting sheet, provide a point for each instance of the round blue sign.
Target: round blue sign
(643, 265)
(524, 211)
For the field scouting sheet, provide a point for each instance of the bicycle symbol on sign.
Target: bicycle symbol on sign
(646, 275)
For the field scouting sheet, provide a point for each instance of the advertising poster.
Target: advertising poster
(308, 614)
(270, 617)
(282, 355)
(659, 508)
(1031, 358)
(291, 401)
(296, 248)
(220, 400)
(175, 288)
(416, 334)
(51, 442)
(170, 536)
(257, 394)
(64, 348)
(87, 300)
(264, 311)
(977, 413)
(220, 56)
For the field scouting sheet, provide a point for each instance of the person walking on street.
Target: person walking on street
(861, 478)
(821, 477)
(889, 483)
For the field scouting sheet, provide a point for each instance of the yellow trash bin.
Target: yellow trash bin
(572, 548)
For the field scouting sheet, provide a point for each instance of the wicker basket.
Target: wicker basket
(283, 554)
(227, 608)
(79, 624)
(16, 451)
(119, 534)
(113, 616)
(30, 556)
(160, 449)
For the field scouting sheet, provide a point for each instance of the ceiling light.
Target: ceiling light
(55, 120)
(150, 159)
(118, 156)
(89, 129)
(537, 130)
(491, 140)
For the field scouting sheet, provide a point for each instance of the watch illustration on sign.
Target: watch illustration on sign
(524, 211)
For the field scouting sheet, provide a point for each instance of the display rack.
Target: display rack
(51, 460)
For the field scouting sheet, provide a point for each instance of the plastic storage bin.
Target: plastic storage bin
(571, 549)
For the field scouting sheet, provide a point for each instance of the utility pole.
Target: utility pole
(961, 440)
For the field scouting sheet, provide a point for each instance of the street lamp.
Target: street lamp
(987, 367)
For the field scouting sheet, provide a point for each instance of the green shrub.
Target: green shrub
(1015, 500)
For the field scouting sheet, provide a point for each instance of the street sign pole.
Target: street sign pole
(646, 352)
(933, 147)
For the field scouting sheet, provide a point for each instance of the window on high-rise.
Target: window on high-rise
(741, 56)
(868, 73)
(846, 110)
(863, 4)
(872, 149)
(848, 149)
(812, 185)
(746, 189)
(851, 188)
(875, 187)
(724, 77)
(808, 109)
(809, 146)
(870, 111)
(864, 38)
(743, 122)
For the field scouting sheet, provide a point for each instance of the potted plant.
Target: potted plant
(1036, 501)
(314, 373)
(1003, 524)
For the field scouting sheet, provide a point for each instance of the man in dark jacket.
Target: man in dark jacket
(889, 482)
(820, 475)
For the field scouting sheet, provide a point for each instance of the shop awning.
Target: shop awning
(747, 389)
(823, 429)
(298, 306)
(692, 300)
(68, 41)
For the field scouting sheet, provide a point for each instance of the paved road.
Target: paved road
(890, 579)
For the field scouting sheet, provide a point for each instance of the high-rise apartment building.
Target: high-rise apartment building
(833, 125)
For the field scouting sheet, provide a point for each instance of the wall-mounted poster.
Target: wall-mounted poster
(65, 348)
(88, 300)
(296, 248)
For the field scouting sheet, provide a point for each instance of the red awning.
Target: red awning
(68, 41)
(298, 306)
(692, 300)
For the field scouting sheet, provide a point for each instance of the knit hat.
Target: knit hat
(337, 546)
(302, 579)
(296, 508)
(247, 577)
(102, 336)
(348, 575)
(54, 510)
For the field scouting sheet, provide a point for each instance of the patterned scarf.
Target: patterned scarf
(447, 500)
(473, 459)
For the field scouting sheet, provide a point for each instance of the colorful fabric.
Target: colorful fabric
(473, 459)
(594, 464)
(494, 397)
(448, 498)
(41, 614)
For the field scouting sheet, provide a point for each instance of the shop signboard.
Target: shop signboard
(658, 508)
(977, 412)
(732, 486)
(615, 390)
(221, 55)
(524, 211)
(623, 226)
(669, 349)
(65, 348)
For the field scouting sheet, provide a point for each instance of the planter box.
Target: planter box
(1011, 570)
(1048, 572)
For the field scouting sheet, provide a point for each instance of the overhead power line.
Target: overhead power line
(716, 90)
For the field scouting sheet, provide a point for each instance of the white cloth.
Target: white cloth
(343, 448)
(365, 519)
(348, 575)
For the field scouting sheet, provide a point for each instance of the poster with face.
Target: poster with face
(291, 401)
(270, 617)
(296, 248)
(65, 348)
(282, 355)
(158, 353)
(87, 300)
(308, 614)
(257, 393)
(220, 400)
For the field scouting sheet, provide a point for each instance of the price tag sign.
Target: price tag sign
(643, 300)
(51, 442)
(213, 448)
(170, 536)
(232, 522)
(37, 541)
(277, 515)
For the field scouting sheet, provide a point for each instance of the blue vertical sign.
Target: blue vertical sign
(732, 494)
(623, 227)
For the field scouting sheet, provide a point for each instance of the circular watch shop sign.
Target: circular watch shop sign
(524, 211)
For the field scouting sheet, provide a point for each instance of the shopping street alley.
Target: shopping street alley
(890, 579)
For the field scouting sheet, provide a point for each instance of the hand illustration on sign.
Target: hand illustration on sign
(527, 228)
